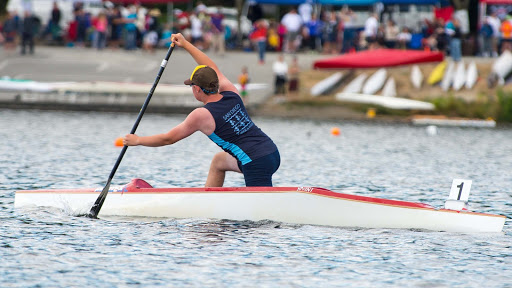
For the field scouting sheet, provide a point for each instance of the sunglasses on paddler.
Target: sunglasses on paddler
(204, 90)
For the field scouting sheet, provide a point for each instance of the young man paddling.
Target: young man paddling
(224, 119)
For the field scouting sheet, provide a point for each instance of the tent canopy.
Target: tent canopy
(325, 2)
(418, 2)
(282, 2)
(361, 2)
(347, 2)
(148, 1)
(509, 2)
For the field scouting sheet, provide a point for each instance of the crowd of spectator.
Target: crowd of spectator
(15, 27)
(300, 29)
(335, 32)
(116, 26)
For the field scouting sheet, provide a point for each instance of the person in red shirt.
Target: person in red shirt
(259, 37)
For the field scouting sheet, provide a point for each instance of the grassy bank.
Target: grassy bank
(479, 102)
(498, 107)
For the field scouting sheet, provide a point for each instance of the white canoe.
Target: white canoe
(28, 85)
(95, 87)
(297, 205)
(440, 120)
(356, 84)
(389, 88)
(448, 76)
(459, 78)
(375, 82)
(385, 101)
(502, 66)
(416, 76)
(471, 76)
(326, 84)
(103, 87)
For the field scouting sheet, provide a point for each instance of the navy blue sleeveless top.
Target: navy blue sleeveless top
(235, 132)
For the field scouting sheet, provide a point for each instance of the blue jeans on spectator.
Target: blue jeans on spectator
(99, 40)
(262, 46)
(131, 40)
(455, 49)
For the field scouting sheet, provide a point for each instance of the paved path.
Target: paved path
(51, 64)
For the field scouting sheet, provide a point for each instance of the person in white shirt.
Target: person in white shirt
(293, 22)
(280, 69)
(305, 11)
(404, 38)
(495, 23)
(371, 27)
(391, 34)
(196, 31)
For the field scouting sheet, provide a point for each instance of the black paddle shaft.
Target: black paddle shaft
(95, 210)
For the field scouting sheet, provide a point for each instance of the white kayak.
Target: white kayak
(389, 89)
(375, 82)
(385, 101)
(416, 76)
(326, 84)
(297, 205)
(7, 84)
(442, 120)
(103, 87)
(356, 84)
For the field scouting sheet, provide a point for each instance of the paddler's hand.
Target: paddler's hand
(179, 40)
(131, 140)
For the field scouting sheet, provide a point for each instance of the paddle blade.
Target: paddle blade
(95, 210)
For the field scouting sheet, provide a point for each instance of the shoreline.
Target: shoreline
(271, 110)
(268, 109)
(59, 64)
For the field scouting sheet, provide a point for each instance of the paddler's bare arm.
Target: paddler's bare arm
(203, 59)
(198, 120)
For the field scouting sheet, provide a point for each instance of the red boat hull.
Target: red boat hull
(379, 58)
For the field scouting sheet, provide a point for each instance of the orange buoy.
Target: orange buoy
(371, 112)
(119, 142)
(335, 131)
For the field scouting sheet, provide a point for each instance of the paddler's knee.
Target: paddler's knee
(224, 162)
(219, 161)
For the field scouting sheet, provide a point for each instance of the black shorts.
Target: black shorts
(371, 39)
(197, 39)
(258, 173)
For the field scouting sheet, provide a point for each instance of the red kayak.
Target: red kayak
(379, 58)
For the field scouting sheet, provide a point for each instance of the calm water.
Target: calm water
(48, 248)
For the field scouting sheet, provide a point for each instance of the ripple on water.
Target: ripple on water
(44, 247)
